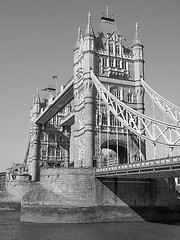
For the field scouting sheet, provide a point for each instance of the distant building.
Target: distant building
(17, 172)
(2, 181)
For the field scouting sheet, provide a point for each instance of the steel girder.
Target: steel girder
(141, 125)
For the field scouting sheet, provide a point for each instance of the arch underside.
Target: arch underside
(120, 150)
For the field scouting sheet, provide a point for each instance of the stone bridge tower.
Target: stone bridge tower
(119, 68)
(49, 145)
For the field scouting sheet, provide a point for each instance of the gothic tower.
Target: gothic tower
(119, 68)
(49, 145)
(84, 97)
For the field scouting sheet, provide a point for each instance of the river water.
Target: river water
(12, 229)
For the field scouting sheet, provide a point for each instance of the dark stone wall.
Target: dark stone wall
(119, 192)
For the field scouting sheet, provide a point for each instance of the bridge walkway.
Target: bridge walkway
(157, 168)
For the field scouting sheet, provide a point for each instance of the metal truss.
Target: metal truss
(169, 109)
(141, 125)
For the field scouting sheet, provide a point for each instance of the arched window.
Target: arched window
(123, 65)
(130, 96)
(104, 119)
(118, 63)
(118, 93)
(111, 62)
(52, 151)
(117, 49)
(104, 62)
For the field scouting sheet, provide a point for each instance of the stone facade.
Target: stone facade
(119, 68)
(74, 195)
(49, 145)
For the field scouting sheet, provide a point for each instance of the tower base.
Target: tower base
(74, 195)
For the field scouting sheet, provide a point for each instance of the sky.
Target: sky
(37, 38)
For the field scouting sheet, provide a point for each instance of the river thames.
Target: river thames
(12, 229)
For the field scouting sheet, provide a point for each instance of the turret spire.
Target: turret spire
(36, 98)
(78, 38)
(137, 39)
(89, 29)
(107, 16)
(107, 11)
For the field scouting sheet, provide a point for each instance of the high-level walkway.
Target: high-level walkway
(61, 100)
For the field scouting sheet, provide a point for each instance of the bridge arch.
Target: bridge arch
(120, 150)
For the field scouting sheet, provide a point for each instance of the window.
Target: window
(117, 49)
(112, 120)
(104, 119)
(43, 152)
(51, 151)
(118, 93)
(118, 63)
(58, 151)
(98, 119)
(111, 62)
(123, 65)
(104, 62)
(43, 136)
(111, 48)
(54, 120)
(129, 97)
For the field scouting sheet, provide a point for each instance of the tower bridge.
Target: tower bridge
(86, 159)
(104, 100)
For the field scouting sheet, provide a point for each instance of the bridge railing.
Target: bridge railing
(145, 164)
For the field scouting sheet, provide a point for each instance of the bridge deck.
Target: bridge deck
(159, 168)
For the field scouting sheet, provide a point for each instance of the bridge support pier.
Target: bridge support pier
(76, 196)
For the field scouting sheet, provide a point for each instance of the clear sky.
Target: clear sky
(37, 38)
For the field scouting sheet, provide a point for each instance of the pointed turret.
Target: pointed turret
(137, 39)
(138, 53)
(89, 29)
(78, 39)
(50, 92)
(36, 105)
(137, 49)
(36, 98)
